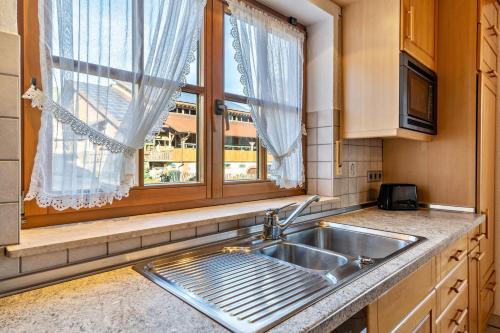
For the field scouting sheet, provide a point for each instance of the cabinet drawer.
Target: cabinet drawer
(487, 295)
(452, 286)
(452, 256)
(455, 318)
(474, 237)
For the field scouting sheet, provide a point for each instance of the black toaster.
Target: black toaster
(398, 197)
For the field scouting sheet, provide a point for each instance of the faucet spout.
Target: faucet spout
(273, 228)
(296, 212)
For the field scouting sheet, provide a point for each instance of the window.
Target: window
(194, 160)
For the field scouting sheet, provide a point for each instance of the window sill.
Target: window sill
(63, 237)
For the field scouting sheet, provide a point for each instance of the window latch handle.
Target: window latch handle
(221, 109)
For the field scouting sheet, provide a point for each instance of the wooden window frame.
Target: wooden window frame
(211, 190)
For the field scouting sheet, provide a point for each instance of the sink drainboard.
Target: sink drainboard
(243, 291)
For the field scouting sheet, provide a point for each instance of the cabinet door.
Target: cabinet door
(474, 256)
(488, 38)
(419, 30)
(486, 169)
(422, 319)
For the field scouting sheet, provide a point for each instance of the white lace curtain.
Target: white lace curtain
(269, 53)
(111, 71)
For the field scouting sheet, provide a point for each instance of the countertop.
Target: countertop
(122, 300)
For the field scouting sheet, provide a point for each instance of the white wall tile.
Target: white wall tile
(353, 185)
(312, 153)
(312, 120)
(124, 245)
(325, 170)
(325, 135)
(312, 170)
(203, 230)
(9, 181)
(9, 96)
(155, 239)
(9, 139)
(353, 169)
(325, 118)
(87, 252)
(312, 186)
(242, 223)
(183, 234)
(325, 153)
(312, 136)
(223, 226)
(9, 267)
(325, 187)
(10, 53)
(9, 223)
(43, 261)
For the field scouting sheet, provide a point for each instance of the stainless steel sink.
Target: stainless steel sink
(304, 256)
(249, 284)
(352, 241)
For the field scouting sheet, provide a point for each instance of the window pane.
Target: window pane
(151, 10)
(93, 22)
(232, 82)
(172, 157)
(241, 146)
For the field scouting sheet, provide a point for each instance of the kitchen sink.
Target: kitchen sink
(352, 241)
(249, 284)
(306, 257)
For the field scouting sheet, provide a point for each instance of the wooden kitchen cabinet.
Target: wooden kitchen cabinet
(486, 167)
(444, 295)
(372, 41)
(419, 30)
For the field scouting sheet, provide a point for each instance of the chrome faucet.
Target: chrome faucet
(273, 227)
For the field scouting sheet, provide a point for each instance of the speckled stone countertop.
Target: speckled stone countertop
(124, 301)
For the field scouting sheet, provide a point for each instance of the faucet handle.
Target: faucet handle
(273, 211)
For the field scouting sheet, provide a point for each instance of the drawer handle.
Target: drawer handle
(479, 237)
(459, 317)
(492, 73)
(492, 286)
(479, 256)
(493, 29)
(457, 286)
(459, 255)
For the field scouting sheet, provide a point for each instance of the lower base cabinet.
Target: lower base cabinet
(445, 295)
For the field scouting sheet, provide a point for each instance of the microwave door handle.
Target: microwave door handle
(430, 103)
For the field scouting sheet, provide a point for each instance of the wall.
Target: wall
(9, 130)
(323, 125)
(8, 16)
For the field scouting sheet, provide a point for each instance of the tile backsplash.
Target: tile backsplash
(358, 157)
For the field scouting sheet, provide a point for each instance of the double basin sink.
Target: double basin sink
(249, 284)
(339, 250)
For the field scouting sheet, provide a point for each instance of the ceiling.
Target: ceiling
(305, 11)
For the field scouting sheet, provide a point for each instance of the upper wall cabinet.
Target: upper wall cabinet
(418, 30)
(374, 34)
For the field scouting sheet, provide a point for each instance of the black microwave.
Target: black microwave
(417, 96)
